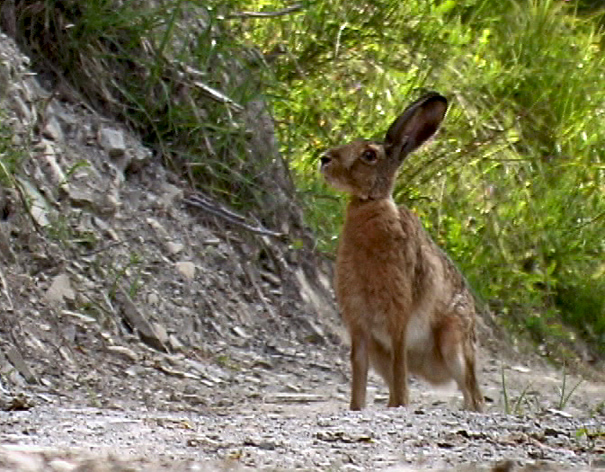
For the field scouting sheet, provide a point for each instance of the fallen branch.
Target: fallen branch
(218, 96)
(200, 201)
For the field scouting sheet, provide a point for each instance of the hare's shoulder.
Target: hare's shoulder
(435, 271)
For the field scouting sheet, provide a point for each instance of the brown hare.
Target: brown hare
(406, 306)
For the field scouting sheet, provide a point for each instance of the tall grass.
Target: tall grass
(513, 186)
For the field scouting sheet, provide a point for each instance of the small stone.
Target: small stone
(161, 332)
(24, 462)
(22, 110)
(170, 194)
(137, 319)
(138, 159)
(112, 141)
(39, 207)
(50, 166)
(561, 413)
(240, 332)
(174, 248)
(81, 198)
(175, 344)
(52, 130)
(124, 352)
(59, 465)
(153, 299)
(60, 289)
(159, 229)
(186, 269)
(16, 359)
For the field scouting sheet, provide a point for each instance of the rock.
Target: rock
(60, 289)
(170, 194)
(39, 207)
(186, 269)
(52, 129)
(22, 462)
(124, 352)
(175, 344)
(159, 229)
(81, 198)
(16, 359)
(6, 253)
(23, 111)
(161, 333)
(135, 318)
(138, 158)
(67, 120)
(49, 165)
(110, 204)
(59, 465)
(153, 299)
(112, 141)
(174, 248)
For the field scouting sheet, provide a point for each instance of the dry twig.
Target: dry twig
(206, 204)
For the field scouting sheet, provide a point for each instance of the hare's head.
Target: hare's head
(366, 169)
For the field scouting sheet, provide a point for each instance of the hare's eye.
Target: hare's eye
(369, 156)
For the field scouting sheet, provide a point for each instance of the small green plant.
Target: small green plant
(591, 436)
(564, 394)
(515, 407)
(507, 409)
(11, 155)
(119, 274)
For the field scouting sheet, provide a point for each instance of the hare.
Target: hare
(406, 306)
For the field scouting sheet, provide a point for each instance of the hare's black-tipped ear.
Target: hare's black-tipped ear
(415, 125)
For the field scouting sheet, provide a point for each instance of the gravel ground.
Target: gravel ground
(301, 423)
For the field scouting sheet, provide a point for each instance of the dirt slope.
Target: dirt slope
(139, 332)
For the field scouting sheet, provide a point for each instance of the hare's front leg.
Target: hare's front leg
(360, 357)
(398, 394)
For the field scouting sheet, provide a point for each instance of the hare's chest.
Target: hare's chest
(373, 282)
(373, 268)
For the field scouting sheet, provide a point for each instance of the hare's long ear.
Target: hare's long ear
(415, 125)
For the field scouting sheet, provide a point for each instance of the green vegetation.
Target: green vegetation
(11, 156)
(512, 188)
(529, 399)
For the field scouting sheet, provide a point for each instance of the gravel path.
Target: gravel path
(301, 428)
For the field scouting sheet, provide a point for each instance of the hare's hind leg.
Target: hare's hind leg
(473, 398)
(459, 356)
(359, 365)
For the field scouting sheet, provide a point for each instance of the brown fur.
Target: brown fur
(406, 306)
